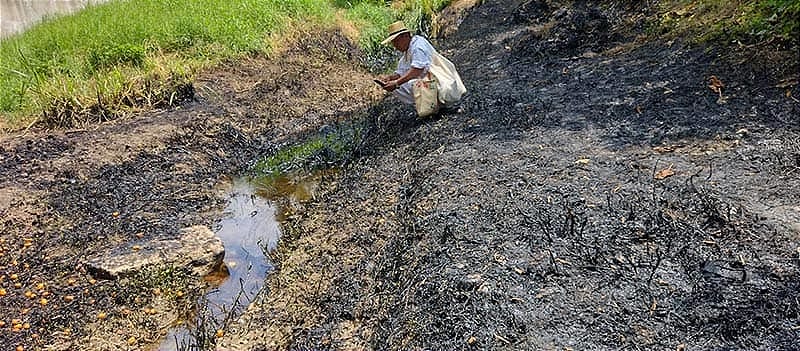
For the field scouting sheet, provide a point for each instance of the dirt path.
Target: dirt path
(593, 193)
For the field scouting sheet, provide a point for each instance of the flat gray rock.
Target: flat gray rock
(198, 249)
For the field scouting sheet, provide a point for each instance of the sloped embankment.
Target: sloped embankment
(593, 193)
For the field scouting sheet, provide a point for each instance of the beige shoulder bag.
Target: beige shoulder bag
(426, 95)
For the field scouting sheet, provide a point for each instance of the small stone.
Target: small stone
(473, 279)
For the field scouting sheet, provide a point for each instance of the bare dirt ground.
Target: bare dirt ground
(592, 193)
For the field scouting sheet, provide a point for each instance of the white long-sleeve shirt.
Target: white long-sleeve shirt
(419, 55)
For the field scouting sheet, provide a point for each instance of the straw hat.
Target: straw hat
(395, 29)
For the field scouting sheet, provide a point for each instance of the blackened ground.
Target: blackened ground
(68, 195)
(594, 193)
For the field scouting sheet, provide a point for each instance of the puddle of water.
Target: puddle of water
(295, 187)
(299, 189)
(251, 225)
(18, 15)
(248, 227)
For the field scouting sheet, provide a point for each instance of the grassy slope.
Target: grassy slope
(744, 21)
(99, 62)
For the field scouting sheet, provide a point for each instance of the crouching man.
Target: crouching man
(421, 71)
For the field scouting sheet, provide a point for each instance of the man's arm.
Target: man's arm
(397, 80)
(390, 78)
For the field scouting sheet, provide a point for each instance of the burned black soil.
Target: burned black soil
(592, 193)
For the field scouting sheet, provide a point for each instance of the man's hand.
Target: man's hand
(390, 85)
(390, 82)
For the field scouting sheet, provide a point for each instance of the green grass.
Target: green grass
(111, 57)
(318, 152)
(418, 14)
(373, 21)
(744, 21)
(781, 17)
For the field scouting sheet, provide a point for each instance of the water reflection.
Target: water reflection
(18, 15)
(249, 227)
